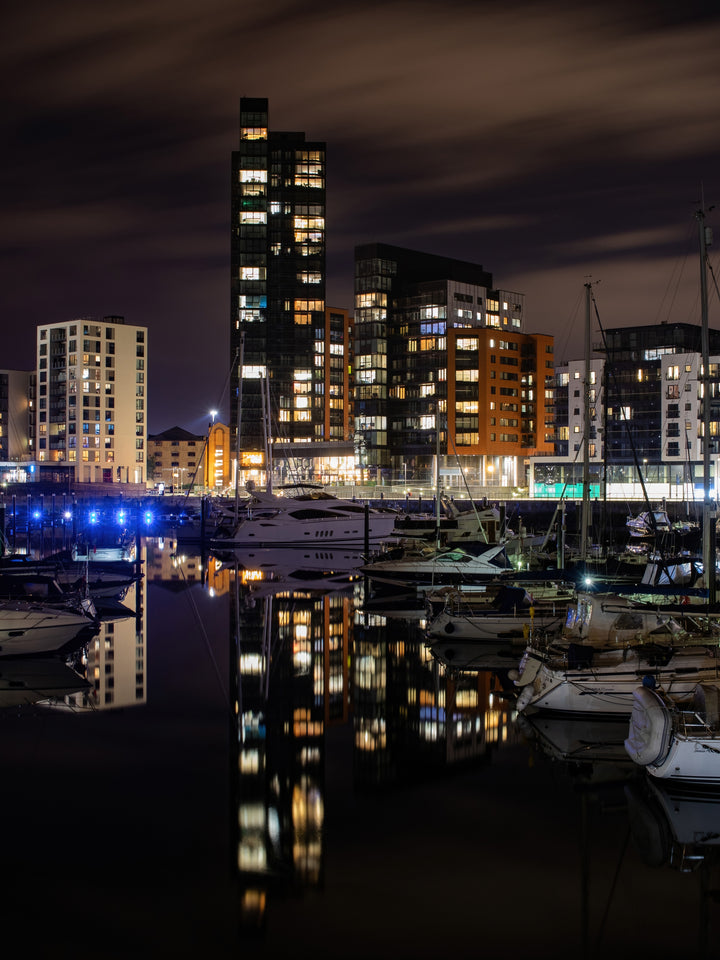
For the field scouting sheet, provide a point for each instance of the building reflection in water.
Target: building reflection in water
(114, 661)
(309, 660)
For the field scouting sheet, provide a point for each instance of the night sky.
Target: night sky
(547, 141)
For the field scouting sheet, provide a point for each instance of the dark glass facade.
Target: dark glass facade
(278, 281)
(635, 391)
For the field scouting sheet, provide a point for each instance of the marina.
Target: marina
(243, 763)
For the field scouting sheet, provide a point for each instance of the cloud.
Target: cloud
(545, 140)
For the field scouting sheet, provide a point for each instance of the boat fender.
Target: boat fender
(513, 675)
(449, 628)
(524, 698)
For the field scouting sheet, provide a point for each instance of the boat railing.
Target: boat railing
(692, 724)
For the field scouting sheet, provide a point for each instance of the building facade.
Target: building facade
(278, 313)
(177, 459)
(646, 413)
(219, 459)
(442, 367)
(15, 389)
(91, 399)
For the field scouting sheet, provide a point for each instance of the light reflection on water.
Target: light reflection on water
(371, 804)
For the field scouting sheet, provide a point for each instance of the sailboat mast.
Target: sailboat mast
(709, 510)
(437, 477)
(585, 517)
(265, 396)
(241, 361)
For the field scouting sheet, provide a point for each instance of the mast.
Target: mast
(265, 398)
(240, 356)
(437, 478)
(709, 508)
(585, 517)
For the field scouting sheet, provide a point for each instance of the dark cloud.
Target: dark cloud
(547, 141)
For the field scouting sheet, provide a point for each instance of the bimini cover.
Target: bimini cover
(648, 738)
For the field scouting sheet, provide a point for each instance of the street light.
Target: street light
(208, 476)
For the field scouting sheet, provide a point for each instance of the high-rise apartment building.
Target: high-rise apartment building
(442, 366)
(279, 323)
(91, 400)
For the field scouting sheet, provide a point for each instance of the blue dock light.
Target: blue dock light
(67, 515)
(121, 517)
(93, 516)
(148, 517)
(36, 514)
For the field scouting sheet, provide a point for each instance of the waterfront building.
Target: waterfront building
(444, 368)
(176, 459)
(15, 437)
(280, 328)
(218, 458)
(91, 400)
(646, 416)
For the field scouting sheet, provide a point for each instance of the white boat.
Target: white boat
(454, 527)
(582, 679)
(511, 613)
(306, 516)
(29, 628)
(434, 567)
(648, 523)
(677, 741)
(478, 597)
(611, 619)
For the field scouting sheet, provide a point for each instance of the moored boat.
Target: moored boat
(307, 515)
(435, 567)
(673, 740)
(30, 628)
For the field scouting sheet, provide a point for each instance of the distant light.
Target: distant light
(121, 517)
(36, 514)
(588, 581)
(67, 515)
(93, 516)
(148, 517)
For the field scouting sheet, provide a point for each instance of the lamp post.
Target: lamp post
(208, 485)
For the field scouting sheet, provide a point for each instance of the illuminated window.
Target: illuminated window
(253, 133)
(253, 216)
(253, 273)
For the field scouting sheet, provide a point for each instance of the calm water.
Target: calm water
(335, 796)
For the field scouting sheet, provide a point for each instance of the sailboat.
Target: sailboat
(677, 741)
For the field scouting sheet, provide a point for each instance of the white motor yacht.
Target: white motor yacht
(29, 628)
(306, 516)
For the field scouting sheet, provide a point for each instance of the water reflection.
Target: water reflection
(313, 659)
(372, 805)
(104, 672)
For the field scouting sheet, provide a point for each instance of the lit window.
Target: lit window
(253, 133)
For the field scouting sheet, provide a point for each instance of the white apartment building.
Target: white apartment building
(92, 398)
